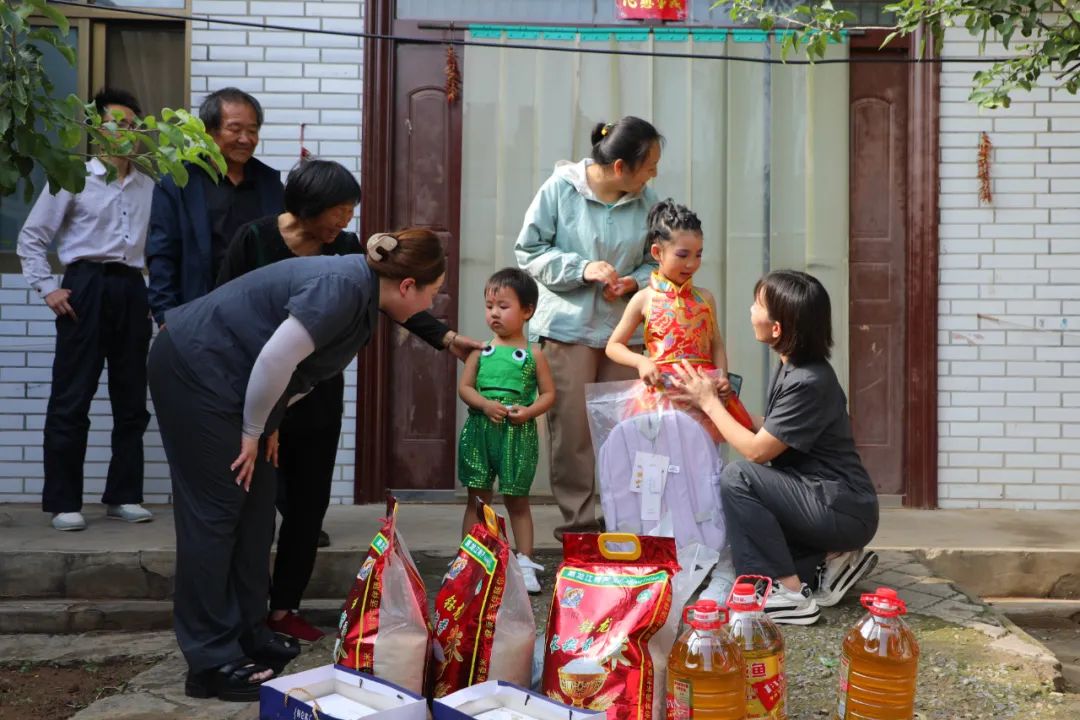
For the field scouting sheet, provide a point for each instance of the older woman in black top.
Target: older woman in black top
(807, 514)
(320, 198)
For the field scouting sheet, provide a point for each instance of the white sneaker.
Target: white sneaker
(839, 574)
(787, 607)
(132, 513)
(721, 580)
(528, 571)
(68, 521)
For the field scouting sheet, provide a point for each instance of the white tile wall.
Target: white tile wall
(299, 77)
(1009, 333)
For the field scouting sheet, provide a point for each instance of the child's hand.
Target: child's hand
(496, 411)
(519, 415)
(723, 386)
(649, 373)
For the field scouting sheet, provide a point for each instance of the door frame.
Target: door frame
(373, 437)
(921, 290)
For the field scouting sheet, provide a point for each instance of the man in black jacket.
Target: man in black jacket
(191, 227)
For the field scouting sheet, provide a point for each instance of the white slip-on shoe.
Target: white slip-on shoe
(787, 607)
(719, 588)
(68, 521)
(132, 513)
(840, 574)
(528, 572)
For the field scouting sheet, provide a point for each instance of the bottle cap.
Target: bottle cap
(705, 615)
(884, 602)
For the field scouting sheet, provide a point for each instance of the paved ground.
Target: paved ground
(975, 663)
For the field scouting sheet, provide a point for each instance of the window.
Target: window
(147, 57)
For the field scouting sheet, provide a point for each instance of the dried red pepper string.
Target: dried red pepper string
(984, 168)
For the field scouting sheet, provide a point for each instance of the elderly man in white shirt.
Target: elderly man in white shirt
(101, 313)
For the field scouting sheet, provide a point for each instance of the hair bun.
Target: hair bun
(599, 130)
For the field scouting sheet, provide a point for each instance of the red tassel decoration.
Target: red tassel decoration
(453, 76)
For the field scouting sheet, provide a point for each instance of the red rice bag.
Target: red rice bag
(484, 624)
(385, 629)
(610, 628)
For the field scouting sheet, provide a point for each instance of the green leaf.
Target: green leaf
(52, 13)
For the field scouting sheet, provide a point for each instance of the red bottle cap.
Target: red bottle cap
(884, 602)
(707, 615)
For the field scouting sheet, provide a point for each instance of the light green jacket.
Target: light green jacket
(566, 227)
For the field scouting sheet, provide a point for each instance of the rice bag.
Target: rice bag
(484, 625)
(612, 624)
(385, 628)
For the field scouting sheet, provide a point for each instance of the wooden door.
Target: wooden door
(406, 435)
(878, 250)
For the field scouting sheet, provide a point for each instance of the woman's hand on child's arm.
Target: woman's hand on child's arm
(545, 396)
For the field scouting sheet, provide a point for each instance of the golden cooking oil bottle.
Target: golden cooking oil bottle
(762, 647)
(705, 669)
(879, 663)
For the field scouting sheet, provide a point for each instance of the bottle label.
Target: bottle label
(841, 696)
(766, 687)
(680, 701)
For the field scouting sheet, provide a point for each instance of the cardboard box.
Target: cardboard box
(333, 692)
(498, 700)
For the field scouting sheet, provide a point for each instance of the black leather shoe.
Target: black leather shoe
(277, 653)
(324, 539)
(231, 682)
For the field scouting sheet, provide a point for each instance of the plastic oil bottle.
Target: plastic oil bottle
(762, 647)
(705, 669)
(879, 663)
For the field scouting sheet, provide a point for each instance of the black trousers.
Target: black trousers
(308, 452)
(223, 534)
(780, 524)
(113, 323)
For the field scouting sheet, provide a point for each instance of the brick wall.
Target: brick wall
(1009, 332)
(299, 77)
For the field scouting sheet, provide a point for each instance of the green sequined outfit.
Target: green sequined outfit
(486, 449)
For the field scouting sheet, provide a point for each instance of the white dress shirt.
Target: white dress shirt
(105, 223)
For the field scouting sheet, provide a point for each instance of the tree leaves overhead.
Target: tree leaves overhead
(1040, 36)
(40, 130)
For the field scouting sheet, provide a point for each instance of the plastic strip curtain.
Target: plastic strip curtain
(759, 151)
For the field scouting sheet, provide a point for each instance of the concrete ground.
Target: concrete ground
(975, 662)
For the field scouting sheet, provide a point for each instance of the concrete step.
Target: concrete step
(55, 617)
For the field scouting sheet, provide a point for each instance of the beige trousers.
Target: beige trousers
(573, 464)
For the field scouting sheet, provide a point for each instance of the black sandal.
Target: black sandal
(278, 652)
(231, 682)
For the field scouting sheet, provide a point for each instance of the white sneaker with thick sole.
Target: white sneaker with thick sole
(840, 574)
(132, 513)
(528, 572)
(787, 607)
(68, 521)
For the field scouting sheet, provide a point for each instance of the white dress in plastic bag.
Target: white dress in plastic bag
(654, 466)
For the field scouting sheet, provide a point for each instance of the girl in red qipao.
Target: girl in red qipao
(679, 318)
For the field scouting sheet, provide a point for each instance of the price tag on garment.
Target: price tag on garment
(654, 476)
(644, 464)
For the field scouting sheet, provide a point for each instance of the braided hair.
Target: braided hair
(667, 217)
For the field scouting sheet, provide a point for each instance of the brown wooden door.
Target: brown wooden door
(427, 176)
(406, 437)
(878, 251)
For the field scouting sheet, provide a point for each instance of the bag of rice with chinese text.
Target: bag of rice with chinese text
(484, 625)
(385, 629)
(612, 624)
